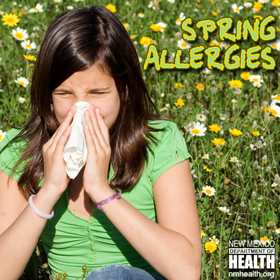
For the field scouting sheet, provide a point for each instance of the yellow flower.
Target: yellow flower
(214, 128)
(214, 13)
(202, 234)
(146, 41)
(235, 132)
(255, 133)
(132, 37)
(111, 8)
(275, 3)
(207, 169)
(235, 83)
(210, 246)
(10, 19)
(178, 85)
(257, 6)
(126, 26)
(200, 87)
(245, 75)
(179, 102)
(29, 57)
(222, 141)
(244, 125)
(264, 239)
(156, 28)
(239, 229)
(219, 141)
(266, 109)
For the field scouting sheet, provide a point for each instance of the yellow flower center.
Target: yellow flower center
(234, 159)
(237, 9)
(274, 46)
(277, 97)
(208, 191)
(28, 46)
(255, 80)
(184, 45)
(274, 112)
(196, 131)
(19, 35)
(178, 19)
(10, 19)
(36, 9)
(21, 83)
(1, 137)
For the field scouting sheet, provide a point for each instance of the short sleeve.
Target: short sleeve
(171, 143)
(11, 154)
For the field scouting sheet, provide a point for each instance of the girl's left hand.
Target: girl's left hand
(95, 179)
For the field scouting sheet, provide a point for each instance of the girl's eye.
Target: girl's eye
(98, 93)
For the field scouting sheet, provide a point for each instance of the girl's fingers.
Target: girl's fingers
(103, 128)
(90, 143)
(62, 141)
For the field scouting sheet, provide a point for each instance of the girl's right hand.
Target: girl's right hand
(55, 176)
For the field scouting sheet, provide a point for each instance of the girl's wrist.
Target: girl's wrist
(99, 194)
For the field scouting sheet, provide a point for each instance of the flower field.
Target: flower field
(230, 119)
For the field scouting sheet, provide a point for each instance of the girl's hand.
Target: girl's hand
(55, 176)
(95, 179)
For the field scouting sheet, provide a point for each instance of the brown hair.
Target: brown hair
(75, 41)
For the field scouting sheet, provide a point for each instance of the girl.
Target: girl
(131, 211)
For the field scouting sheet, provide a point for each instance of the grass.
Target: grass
(249, 186)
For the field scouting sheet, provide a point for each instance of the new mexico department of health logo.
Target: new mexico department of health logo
(251, 258)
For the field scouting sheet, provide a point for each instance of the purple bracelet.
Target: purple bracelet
(110, 198)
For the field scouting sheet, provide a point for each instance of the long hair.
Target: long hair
(75, 41)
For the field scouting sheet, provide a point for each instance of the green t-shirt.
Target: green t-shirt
(71, 241)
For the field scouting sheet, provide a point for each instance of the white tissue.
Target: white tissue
(75, 151)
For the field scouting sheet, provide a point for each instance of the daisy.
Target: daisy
(248, 4)
(27, 45)
(57, 1)
(274, 109)
(275, 44)
(141, 15)
(171, 1)
(20, 34)
(111, 8)
(256, 78)
(214, 240)
(210, 191)
(197, 129)
(234, 159)
(22, 81)
(2, 135)
(70, 7)
(224, 210)
(234, 101)
(257, 84)
(201, 117)
(10, 19)
(276, 98)
(206, 156)
(206, 71)
(180, 19)
(263, 1)
(37, 9)
(277, 231)
(158, 26)
(182, 44)
(210, 246)
(236, 9)
(21, 100)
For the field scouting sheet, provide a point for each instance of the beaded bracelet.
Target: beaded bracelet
(37, 211)
(107, 200)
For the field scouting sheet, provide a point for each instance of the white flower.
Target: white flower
(197, 129)
(141, 15)
(236, 9)
(162, 25)
(257, 84)
(57, 1)
(70, 7)
(182, 44)
(255, 78)
(37, 9)
(22, 81)
(214, 239)
(2, 135)
(234, 159)
(180, 19)
(79, 0)
(234, 101)
(263, 1)
(20, 34)
(171, 1)
(210, 191)
(275, 44)
(27, 45)
(275, 110)
(277, 231)
(248, 4)
(21, 100)
(224, 210)
(206, 71)
(201, 117)
(276, 98)
(206, 156)
(152, 4)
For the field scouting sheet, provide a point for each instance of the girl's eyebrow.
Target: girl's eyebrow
(90, 90)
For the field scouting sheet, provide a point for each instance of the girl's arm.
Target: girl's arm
(172, 246)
